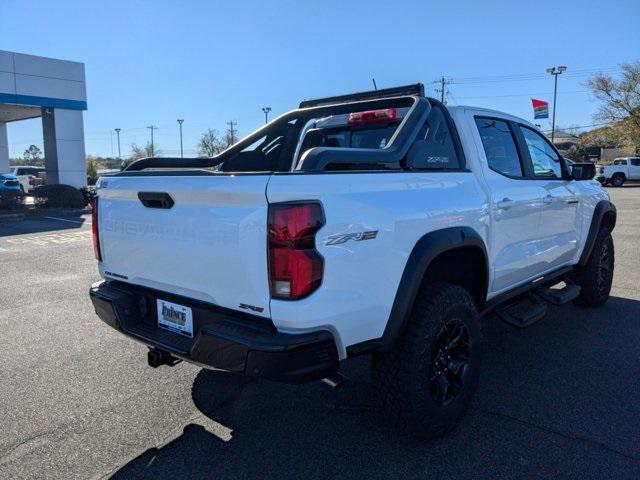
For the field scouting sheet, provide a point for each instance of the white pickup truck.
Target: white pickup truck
(380, 223)
(623, 169)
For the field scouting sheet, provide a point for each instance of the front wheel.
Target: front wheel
(596, 277)
(617, 180)
(427, 382)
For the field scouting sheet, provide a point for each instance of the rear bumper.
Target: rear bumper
(223, 339)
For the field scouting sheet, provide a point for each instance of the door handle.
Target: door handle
(506, 203)
(156, 199)
(547, 200)
(573, 200)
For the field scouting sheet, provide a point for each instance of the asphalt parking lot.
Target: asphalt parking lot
(559, 399)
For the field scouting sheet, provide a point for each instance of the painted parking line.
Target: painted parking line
(51, 238)
(84, 222)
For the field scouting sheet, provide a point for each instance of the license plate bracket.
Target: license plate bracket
(175, 318)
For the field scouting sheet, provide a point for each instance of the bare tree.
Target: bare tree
(138, 152)
(211, 143)
(620, 103)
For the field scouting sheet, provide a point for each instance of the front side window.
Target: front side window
(499, 146)
(546, 162)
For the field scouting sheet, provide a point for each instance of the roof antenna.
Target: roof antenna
(375, 87)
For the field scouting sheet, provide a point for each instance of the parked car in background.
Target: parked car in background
(9, 182)
(27, 176)
(622, 170)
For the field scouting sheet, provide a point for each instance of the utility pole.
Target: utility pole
(117, 130)
(555, 71)
(152, 128)
(266, 111)
(232, 131)
(180, 120)
(443, 88)
(375, 86)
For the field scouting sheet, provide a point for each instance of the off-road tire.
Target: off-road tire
(617, 180)
(596, 276)
(403, 377)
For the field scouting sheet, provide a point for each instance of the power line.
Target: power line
(520, 77)
(523, 94)
(580, 127)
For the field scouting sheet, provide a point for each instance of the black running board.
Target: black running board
(523, 312)
(559, 296)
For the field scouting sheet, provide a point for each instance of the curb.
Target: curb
(42, 212)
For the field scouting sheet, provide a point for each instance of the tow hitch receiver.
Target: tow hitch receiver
(157, 357)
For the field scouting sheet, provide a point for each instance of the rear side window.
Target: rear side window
(546, 162)
(499, 146)
(619, 162)
(263, 154)
(434, 149)
(635, 162)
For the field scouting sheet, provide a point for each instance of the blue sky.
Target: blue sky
(151, 62)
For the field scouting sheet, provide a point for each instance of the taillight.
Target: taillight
(295, 266)
(601, 169)
(94, 229)
(32, 180)
(373, 116)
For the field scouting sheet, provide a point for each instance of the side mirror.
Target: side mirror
(583, 171)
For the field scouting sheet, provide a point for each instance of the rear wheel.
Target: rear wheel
(596, 277)
(617, 180)
(427, 382)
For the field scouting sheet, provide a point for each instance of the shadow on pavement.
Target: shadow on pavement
(559, 399)
(15, 223)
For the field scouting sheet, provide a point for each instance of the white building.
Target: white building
(55, 90)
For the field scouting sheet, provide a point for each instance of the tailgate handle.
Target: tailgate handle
(156, 199)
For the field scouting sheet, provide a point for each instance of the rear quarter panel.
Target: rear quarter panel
(361, 277)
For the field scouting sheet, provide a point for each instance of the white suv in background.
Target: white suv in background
(27, 177)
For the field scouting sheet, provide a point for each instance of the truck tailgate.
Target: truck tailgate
(210, 245)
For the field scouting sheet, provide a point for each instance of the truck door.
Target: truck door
(515, 204)
(634, 169)
(560, 224)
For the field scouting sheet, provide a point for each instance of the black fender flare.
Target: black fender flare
(603, 208)
(424, 252)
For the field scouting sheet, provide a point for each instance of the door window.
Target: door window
(546, 162)
(635, 162)
(499, 146)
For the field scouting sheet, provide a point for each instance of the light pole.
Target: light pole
(117, 130)
(152, 128)
(180, 120)
(266, 111)
(555, 71)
